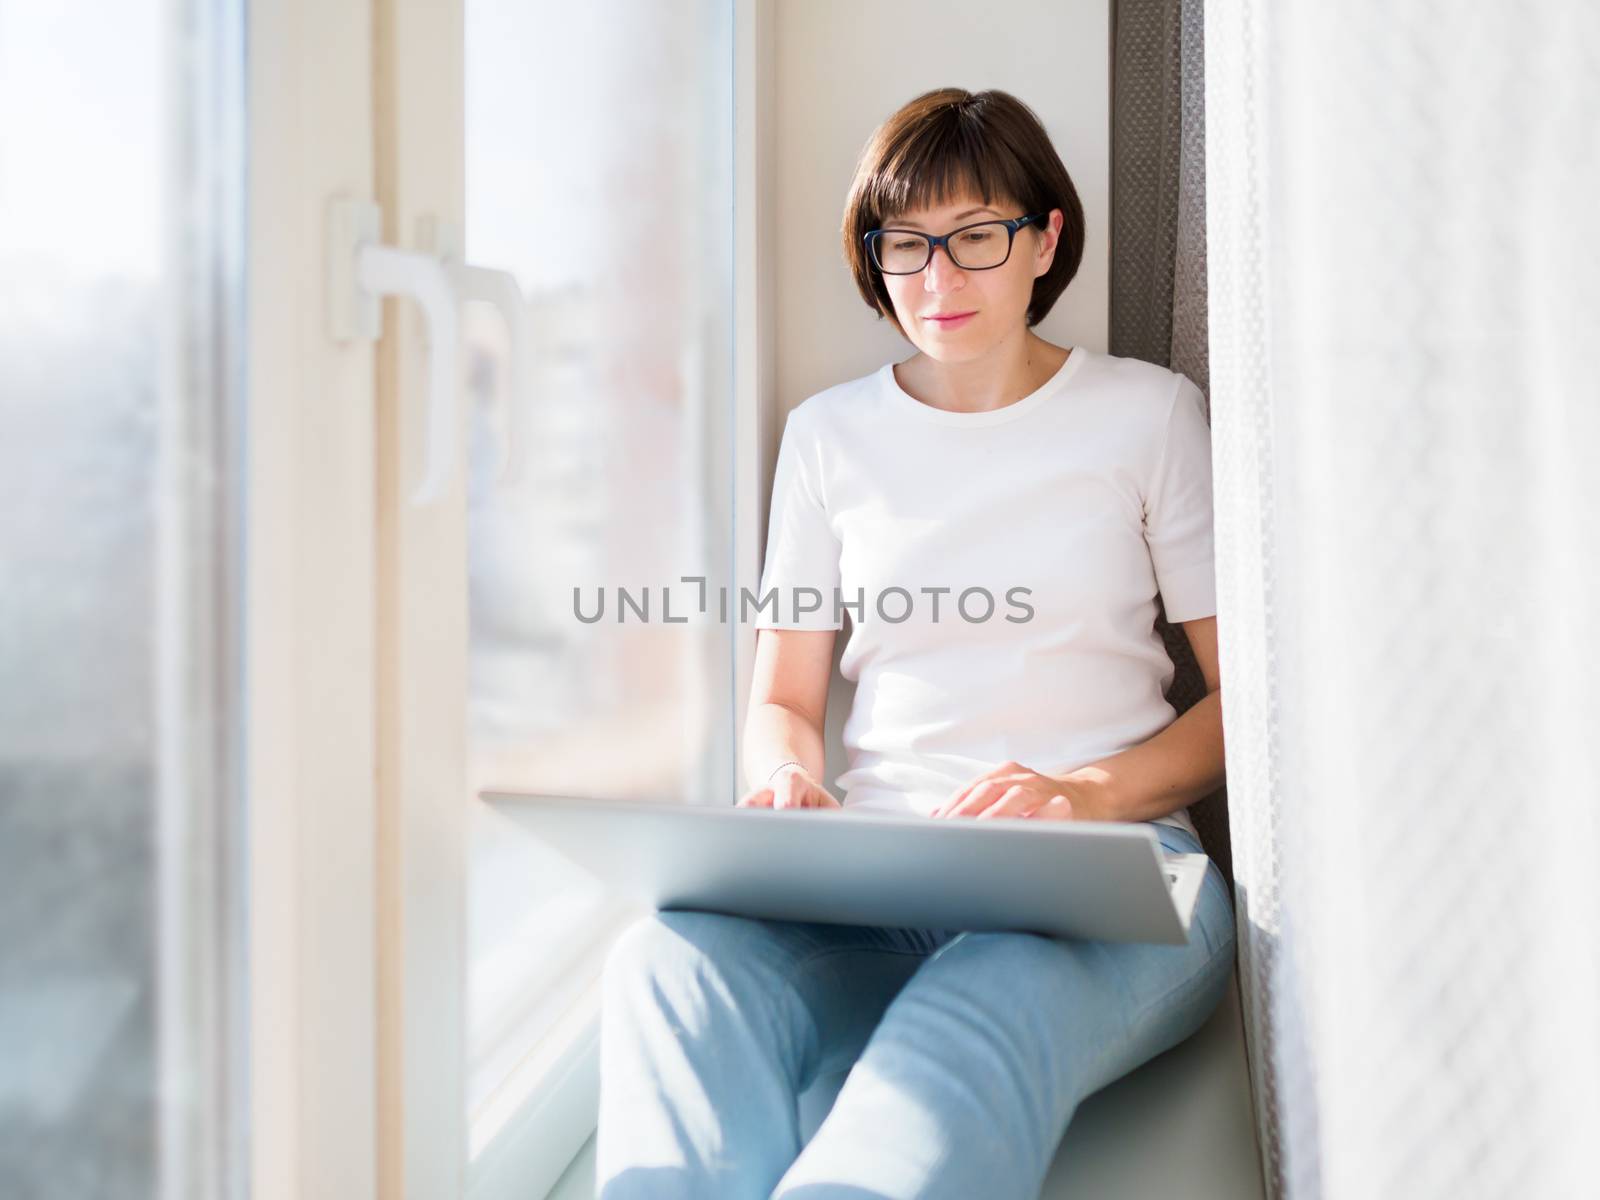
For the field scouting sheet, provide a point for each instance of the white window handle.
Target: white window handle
(499, 288)
(360, 273)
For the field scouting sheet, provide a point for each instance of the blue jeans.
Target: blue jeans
(971, 1050)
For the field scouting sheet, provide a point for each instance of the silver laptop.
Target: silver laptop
(1109, 880)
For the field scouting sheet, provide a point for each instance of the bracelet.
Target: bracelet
(786, 762)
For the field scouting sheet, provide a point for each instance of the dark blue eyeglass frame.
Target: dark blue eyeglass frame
(1012, 224)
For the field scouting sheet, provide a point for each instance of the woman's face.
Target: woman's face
(997, 298)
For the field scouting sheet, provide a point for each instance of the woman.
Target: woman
(1029, 501)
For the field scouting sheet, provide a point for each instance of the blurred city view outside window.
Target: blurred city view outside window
(598, 171)
(121, 218)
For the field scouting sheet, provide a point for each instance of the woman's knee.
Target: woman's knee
(689, 943)
(660, 940)
(656, 966)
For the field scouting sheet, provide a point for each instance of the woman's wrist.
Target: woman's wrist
(788, 762)
(1091, 792)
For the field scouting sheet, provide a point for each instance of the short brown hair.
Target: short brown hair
(947, 143)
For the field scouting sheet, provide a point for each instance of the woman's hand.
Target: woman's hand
(792, 787)
(1013, 790)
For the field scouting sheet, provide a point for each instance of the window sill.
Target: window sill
(527, 1131)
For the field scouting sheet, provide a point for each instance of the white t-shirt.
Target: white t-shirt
(1068, 509)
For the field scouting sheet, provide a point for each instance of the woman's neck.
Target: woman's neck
(1005, 374)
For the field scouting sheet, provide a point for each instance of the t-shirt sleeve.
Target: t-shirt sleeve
(1178, 512)
(801, 570)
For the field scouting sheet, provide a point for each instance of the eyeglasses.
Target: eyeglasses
(978, 247)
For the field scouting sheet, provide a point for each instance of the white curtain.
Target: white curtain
(1404, 296)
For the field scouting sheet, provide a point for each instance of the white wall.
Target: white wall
(831, 92)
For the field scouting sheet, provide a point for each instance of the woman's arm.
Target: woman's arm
(1181, 764)
(788, 702)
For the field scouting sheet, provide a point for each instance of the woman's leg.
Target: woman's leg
(979, 1062)
(711, 1027)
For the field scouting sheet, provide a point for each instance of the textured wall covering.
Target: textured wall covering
(1158, 184)
(1158, 249)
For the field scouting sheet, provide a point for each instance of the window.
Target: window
(599, 171)
(121, 224)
